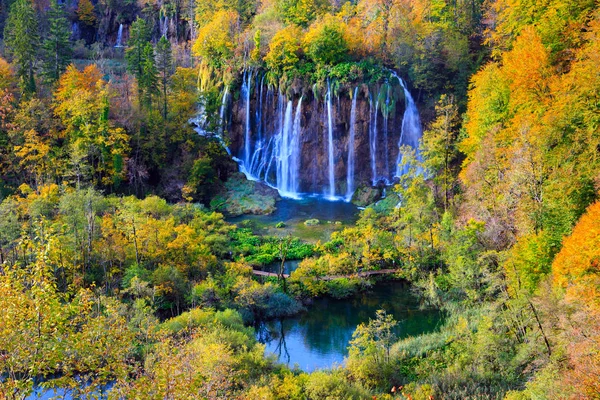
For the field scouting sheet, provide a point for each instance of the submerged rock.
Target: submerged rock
(242, 196)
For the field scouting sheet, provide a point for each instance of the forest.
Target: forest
(179, 177)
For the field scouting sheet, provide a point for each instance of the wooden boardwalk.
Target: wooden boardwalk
(362, 274)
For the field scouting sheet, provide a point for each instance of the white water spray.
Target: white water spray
(350, 173)
(411, 126)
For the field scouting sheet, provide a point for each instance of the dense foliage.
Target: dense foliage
(118, 273)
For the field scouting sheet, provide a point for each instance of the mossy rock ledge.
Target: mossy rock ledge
(243, 196)
(365, 195)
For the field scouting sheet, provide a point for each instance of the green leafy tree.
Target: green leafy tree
(439, 145)
(301, 12)
(370, 348)
(325, 43)
(57, 49)
(21, 38)
(164, 65)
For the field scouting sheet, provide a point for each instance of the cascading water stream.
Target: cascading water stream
(119, 36)
(222, 118)
(386, 144)
(373, 133)
(246, 86)
(411, 126)
(284, 150)
(350, 173)
(330, 145)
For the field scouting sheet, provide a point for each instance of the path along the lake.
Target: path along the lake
(362, 274)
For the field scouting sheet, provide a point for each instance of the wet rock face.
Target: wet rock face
(266, 121)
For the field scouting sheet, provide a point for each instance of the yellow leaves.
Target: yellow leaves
(526, 66)
(576, 268)
(216, 40)
(7, 75)
(85, 12)
(284, 49)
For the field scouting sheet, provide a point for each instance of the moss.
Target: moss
(365, 195)
(242, 196)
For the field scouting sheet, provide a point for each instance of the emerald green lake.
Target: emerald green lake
(319, 337)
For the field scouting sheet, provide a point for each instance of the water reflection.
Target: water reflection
(319, 337)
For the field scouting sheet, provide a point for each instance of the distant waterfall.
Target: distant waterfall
(350, 173)
(246, 86)
(119, 36)
(164, 26)
(411, 126)
(330, 145)
(200, 121)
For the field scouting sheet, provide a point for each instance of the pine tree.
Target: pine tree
(139, 36)
(164, 64)
(148, 81)
(57, 49)
(21, 38)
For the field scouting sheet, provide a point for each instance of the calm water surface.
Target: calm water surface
(295, 212)
(319, 337)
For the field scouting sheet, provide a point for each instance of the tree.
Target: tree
(325, 42)
(370, 348)
(438, 146)
(21, 37)
(284, 51)
(139, 36)
(216, 40)
(148, 81)
(56, 47)
(86, 13)
(164, 65)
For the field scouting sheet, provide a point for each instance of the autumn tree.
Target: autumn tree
(86, 12)
(216, 39)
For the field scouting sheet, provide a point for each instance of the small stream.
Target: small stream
(319, 337)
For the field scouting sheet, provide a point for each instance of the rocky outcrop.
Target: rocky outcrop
(242, 196)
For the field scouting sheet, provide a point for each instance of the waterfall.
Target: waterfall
(284, 150)
(222, 118)
(386, 115)
(411, 126)
(246, 85)
(200, 121)
(350, 174)
(164, 26)
(75, 32)
(373, 141)
(330, 145)
(119, 36)
(288, 152)
(296, 150)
